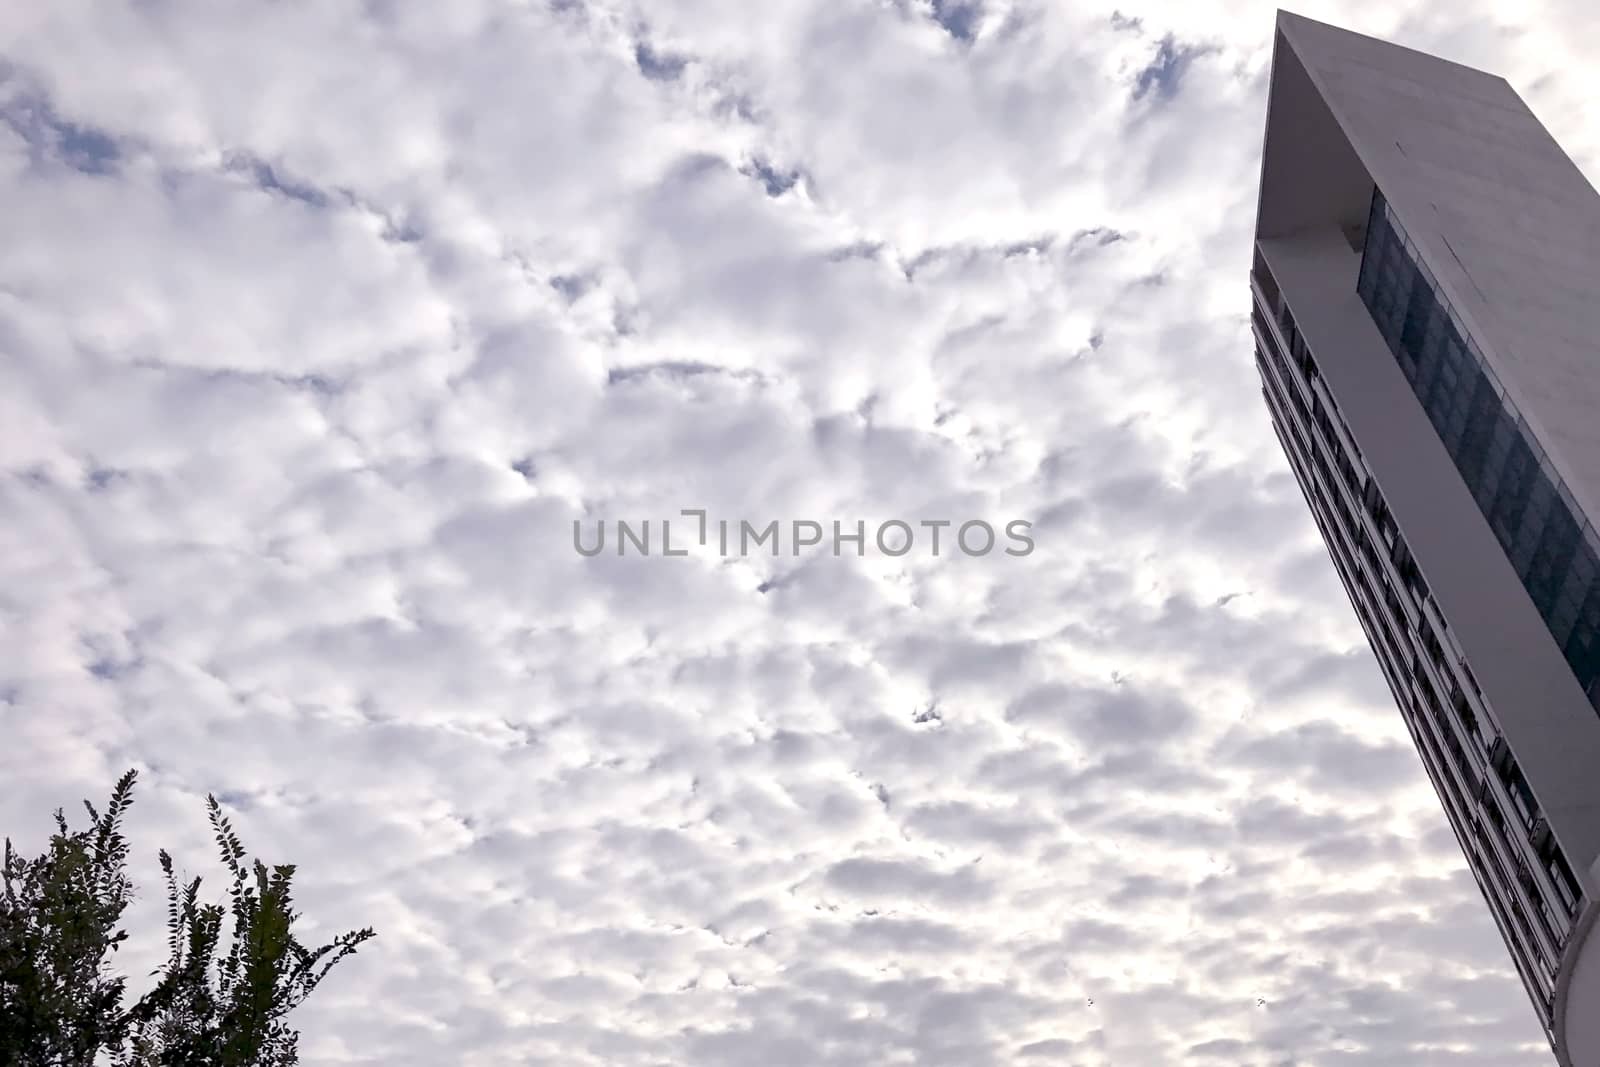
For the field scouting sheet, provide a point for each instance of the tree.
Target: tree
(59, 921)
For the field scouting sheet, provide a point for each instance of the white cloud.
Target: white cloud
(322, 324)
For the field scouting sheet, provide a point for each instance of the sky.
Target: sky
(321, 324)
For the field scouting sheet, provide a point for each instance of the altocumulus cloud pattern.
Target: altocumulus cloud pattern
(322, 323)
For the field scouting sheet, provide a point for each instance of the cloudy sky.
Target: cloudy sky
(321, 323)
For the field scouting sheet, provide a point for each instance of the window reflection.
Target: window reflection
(1543, 536)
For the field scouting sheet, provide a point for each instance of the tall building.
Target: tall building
(1426, 286)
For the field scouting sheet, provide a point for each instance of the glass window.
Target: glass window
(1521, 795)
(1264, 279)
(1495, 816)
(1496, 454)
(1566, 885)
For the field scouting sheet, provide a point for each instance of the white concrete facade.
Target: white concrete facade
(1508, 231)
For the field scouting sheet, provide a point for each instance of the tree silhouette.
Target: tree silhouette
(60, 1005)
